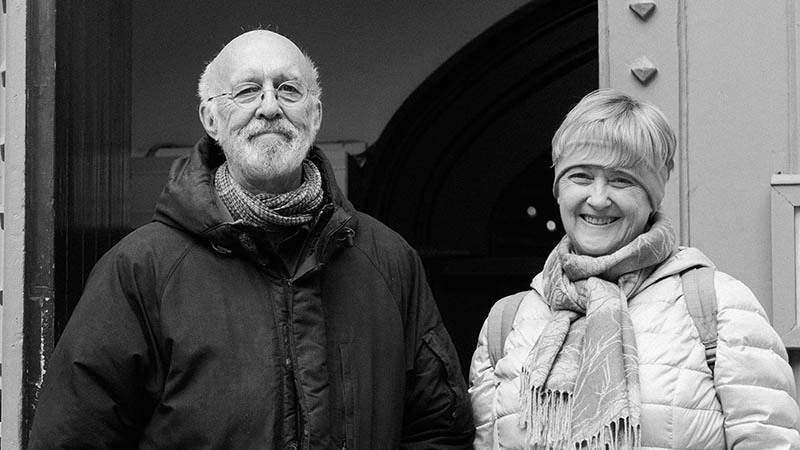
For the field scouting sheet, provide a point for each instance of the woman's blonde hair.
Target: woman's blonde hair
(634, 131)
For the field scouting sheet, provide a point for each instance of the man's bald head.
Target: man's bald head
(252, 41)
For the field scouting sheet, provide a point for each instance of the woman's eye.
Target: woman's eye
(620, 182)
(581, 178)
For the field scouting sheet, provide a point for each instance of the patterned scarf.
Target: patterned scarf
(580, 382)
(271, 211)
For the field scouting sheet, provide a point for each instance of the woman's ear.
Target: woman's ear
(208, 119)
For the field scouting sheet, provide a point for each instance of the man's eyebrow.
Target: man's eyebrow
(243, 77)
(278, 76)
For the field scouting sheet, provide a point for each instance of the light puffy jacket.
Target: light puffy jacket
(748, 403)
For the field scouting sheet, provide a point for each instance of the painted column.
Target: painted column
(14, 222)
(725, 73)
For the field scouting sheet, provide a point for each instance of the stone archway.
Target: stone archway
(465, 157)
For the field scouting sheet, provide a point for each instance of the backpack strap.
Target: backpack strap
(499, 323)
(701, 301)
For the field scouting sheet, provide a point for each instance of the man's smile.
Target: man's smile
(279, 133)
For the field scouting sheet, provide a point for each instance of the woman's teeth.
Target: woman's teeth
(599, 220)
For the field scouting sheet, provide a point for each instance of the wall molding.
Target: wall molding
(785, 195)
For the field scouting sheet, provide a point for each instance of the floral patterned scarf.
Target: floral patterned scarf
(580, 382)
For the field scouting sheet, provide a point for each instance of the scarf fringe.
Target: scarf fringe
(548, 420)
(548, 424)
(619, 435)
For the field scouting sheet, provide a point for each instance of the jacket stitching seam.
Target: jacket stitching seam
(690, 408)
(178, 262)
(673, 366)
(382, 275)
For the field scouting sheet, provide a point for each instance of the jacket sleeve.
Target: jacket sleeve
(481, 391)
(94, 394)
(753, 379)
(437, 411)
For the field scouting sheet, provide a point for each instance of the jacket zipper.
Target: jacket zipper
(291, 279)
(303, 421)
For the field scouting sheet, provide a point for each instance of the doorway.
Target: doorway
(462, 170)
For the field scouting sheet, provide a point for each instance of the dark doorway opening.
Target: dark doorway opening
(462, 170)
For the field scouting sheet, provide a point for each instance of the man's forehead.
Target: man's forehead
(251, 71)
(258, 54)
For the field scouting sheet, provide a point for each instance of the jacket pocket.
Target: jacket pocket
(439, 343)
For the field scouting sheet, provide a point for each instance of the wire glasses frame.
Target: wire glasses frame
(288, 93)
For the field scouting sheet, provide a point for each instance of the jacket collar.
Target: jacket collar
(685, 258)
(189, 202)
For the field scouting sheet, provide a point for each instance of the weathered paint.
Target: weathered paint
(40, 174)
(39, 313)
(14, 232)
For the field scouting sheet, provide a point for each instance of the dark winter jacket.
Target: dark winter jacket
(191, 334)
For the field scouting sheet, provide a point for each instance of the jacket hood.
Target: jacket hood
(685, 258)
(189, 201)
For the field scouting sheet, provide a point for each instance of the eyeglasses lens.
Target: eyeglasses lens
(287, 93)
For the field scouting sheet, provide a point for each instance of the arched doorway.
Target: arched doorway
(462, 170)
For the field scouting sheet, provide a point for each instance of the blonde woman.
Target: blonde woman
(603, 353)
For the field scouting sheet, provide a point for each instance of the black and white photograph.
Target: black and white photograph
(416, 225)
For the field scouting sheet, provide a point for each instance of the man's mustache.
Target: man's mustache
(258, 128)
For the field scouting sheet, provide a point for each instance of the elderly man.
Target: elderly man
(258, 309)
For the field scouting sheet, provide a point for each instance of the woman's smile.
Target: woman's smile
(597, 220)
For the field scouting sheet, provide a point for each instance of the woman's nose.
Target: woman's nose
(598, 195)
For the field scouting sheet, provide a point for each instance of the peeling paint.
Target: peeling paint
(45, 340)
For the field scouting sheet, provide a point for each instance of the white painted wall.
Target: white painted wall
(725, 69)
(14, 232)
(727, 79)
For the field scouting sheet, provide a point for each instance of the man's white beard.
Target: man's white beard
(267, 157)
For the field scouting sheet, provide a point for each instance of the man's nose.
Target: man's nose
(598, 195)
(268, 106)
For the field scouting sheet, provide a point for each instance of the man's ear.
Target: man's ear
(208, 119)
(318, 115)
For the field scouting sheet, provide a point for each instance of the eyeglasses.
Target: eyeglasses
(288, 93)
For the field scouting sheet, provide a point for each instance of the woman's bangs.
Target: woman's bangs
(608, 146)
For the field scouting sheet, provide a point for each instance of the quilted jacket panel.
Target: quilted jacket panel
(748, 404)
